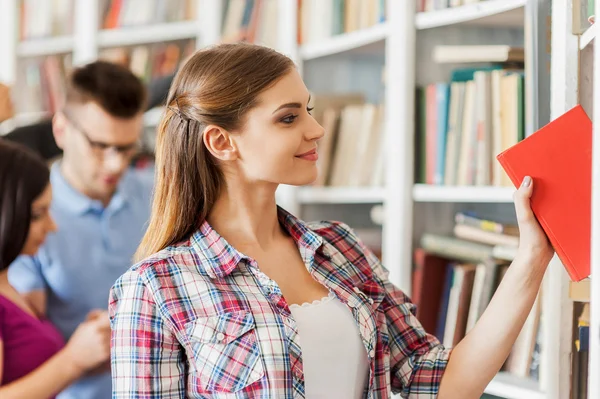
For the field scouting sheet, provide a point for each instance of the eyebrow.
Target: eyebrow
(291, 105)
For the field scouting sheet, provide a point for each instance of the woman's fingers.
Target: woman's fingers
(522, 204)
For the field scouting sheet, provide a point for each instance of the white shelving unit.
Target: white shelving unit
(398, 43)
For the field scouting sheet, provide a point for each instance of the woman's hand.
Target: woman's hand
(89, 346)
(533, 244)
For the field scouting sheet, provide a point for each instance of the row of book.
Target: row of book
(44, 18)
(351, 151)
(41, 84)
(321, 19)
(253, 21)
(434, 5)
(122, 13)
(463, 124)
(455, 278)
(151, 61)
(42, 80)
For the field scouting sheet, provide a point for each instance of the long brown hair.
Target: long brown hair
(23, 177)
(216, 86)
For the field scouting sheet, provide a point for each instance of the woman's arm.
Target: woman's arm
(488, 344)
(87, 348)
(147, 359)
(44, 382)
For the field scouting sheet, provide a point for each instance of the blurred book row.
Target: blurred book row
(253, 21)
(464, 123)
(46, 18)
(43, 18)
(42, 80)
(123, 13)
(150, 61)
(455, 277)
(322, 19)
(351, 151)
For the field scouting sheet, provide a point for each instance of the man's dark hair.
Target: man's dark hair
(23, 177)
(113, 87)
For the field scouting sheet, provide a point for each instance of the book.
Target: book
(559, 159)
(428, 285)
(485, 53)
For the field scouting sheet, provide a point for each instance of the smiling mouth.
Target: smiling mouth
(309, 156)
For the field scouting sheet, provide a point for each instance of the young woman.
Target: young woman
(34, 360)
(237, 298)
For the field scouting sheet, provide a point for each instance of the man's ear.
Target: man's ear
(220, 143)
(59, 128)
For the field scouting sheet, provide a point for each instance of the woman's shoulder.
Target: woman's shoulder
(334, 232)
(165, 270)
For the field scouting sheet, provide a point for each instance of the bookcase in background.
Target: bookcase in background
(383, 51)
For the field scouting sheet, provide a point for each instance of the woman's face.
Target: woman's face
(278, 142)
(41, 222)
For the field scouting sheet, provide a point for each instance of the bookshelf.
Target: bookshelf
(89, 38)
(408, 35)
(331, 65)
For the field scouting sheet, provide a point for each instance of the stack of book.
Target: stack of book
(462, 125)
(322, 19)
(123, 13)
(455, 278)
(351, 152)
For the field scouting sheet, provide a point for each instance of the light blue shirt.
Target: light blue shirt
(79, 263)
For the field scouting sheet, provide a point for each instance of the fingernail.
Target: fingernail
(526, 181)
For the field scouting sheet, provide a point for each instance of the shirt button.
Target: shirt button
(356, 290)
(220, 337)
(372, 353)
(371, 301)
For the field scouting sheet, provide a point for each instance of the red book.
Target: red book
(559, 159)
(428, 285)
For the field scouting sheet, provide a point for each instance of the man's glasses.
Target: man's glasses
(101, 149)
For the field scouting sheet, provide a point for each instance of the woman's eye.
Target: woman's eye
(36, 216)
(309, 109)
(289, 119)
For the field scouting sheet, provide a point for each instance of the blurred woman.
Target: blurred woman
(34, 360)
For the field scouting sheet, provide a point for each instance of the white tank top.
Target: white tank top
(334, 358)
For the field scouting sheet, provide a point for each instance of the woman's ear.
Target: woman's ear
(220, 143)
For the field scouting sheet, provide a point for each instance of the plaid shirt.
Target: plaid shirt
(200, 320)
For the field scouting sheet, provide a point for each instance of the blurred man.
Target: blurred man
(100, 206)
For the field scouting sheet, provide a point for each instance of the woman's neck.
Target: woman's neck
(247, 216)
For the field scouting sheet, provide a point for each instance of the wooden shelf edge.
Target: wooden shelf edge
(472, 194)
(154, 33)
(466, 13)
(45, 46)
(587, 37)
(344, 42)
(341, 195)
